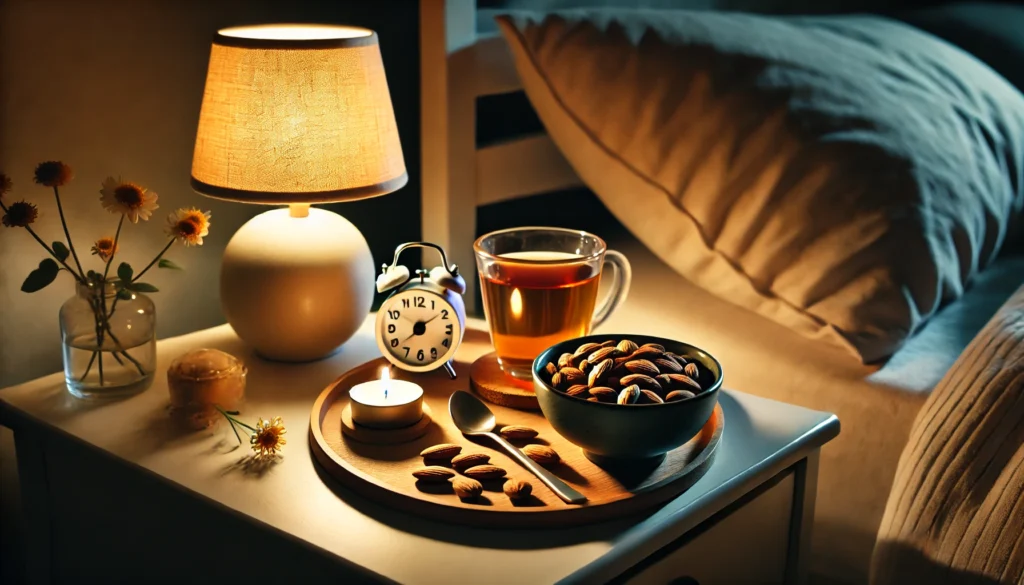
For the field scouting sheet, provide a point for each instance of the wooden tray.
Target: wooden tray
(383, 472)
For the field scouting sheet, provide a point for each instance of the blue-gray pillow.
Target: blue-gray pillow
(845, 176)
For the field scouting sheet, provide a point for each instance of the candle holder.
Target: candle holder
(394, 436)
(385, 411)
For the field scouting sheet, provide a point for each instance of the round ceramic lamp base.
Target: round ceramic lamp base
(296, 287)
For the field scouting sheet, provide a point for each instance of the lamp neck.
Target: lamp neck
(298, 209)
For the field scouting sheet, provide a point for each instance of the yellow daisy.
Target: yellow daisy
(131, 200)
(53, 173)
(105, 248)
(189, 225)
(268, 438)
(20, 214)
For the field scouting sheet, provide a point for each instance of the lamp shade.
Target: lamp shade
(296, 114)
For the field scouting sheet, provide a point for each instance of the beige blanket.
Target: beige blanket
(956, 510)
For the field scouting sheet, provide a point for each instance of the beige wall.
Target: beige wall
(113, 87)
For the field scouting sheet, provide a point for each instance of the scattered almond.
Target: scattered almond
(468, 460)
(517, 489)
(486, 471)
(433, 473)
(441, 452)
(467, 488)
(519, 432)
(542, 454)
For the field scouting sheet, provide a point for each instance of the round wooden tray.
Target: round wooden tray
(383, 472)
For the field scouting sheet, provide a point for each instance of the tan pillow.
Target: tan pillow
(843, 176)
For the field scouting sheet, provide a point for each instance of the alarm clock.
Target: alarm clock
(420, 325)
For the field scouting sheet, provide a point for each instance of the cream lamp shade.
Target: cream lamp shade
(296, 114)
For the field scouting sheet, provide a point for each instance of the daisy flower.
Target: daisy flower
(20, 214)
(268, 437)
(189, 225)
(128, 199)
(53, 173)
(105, 248)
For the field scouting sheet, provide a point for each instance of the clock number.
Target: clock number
(406, 351)
(391, 327)
(448, 329)
(393, 315)
(433, 353)
(444, 314)
(446, 342)
(394, 342)
(431, 304)
(405, 303)
(419, 355)
(421, 302)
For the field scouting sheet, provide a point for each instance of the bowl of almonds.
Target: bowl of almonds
(626, 397)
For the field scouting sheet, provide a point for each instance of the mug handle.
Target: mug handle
(619, 289)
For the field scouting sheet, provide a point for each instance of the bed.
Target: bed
(464, 62)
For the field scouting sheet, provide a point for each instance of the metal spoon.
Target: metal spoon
(474, 419)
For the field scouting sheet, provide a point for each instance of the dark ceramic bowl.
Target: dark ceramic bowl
(610, 433)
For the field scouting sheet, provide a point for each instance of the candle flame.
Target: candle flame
(516, 303)
(385, 377)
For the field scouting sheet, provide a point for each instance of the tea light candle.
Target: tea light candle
(386, 403)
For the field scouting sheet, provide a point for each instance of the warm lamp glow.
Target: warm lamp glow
(296, 114)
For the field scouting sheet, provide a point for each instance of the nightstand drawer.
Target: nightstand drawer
(749, 545)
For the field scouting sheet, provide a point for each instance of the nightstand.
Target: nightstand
(113, 492)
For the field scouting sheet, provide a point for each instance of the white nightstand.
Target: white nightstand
(113, 492)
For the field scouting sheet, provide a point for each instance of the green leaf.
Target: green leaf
(125, 294)
(232, 412)
(143, 287)
(165, 263)
(125, 272)
(92, 275)
(61, 251)
(40, 277)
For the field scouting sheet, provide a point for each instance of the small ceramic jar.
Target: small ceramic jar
(202, 379)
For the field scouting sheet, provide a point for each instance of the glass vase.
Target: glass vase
(109, 341)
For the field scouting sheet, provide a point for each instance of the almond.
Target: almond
(585, 349)
(593, 399)
(627, 346)
(572, 376)
(683, 380)
(649, 397)
(519, 432)
(599, 372)
(629, 395)
(602, 354)
(642, 367)
(620, 361)
(557, 381)
(679, 359)
(468, 460)
(609, 343)
(550, 369)
(642, 381)
(664, 380)
(691, 370)
(667, 364)
(676, 395)
(584, 366)
(646, 353)
(433, 473)
(563, 360)
(541, 454)
(517, 489)
(656, 346)
(440, 452)
(486, 471)
(467, 488)
(603, 393)
(579, 390)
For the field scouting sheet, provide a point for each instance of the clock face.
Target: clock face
(420, 330)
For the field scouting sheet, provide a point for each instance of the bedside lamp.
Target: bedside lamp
(296, 114)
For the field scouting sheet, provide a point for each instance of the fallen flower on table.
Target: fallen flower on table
(266, 438)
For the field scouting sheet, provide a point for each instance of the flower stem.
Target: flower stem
(67, 234)
(48, 249)
(158, 256)
(117, 236)
(233, 421)
(88, 368)
(121, 348)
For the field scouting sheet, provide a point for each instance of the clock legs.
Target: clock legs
(450, 369)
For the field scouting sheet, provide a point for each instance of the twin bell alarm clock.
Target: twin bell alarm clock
(420, 325)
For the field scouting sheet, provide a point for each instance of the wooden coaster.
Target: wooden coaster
(494, 386)
(384, 436)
